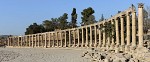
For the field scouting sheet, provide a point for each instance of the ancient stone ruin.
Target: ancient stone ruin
(119, 47)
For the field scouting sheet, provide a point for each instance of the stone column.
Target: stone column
(21, 40)
(26, 41)
(140, 23)
(61, 39)
(133, 28)
(128, 29)
(90, 36)
(18, 41)
(45, 40)
(65, 39)
(122, 33)
(86, 36)
(82, 37)
(74, 35)
(100, 39)
(117, 32)
(53, 40)
(69, 38)
(32, 40)
(8, 40)
(95, 36)
(104, 36)
(57, 39)
(29, 40)
(78, 37)
(35, 39)
(49, 39)
(112, 38)
(38, 36)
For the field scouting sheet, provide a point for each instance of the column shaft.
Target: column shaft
(122, 30)
(82, 37)
(74, 35)
(53, 39)
(112, 39)
(140, 24)
(104, 36)
(128, 29)
(29, 40)
(95, 36)
(38, 40)
(45, 40)
(117, 32)
(61, 39)
(69, 38)
(100, 39)
(133, 28)
(65, 39)
(57, 39)
(35, 40)
(78, 37)
(86, 36)
(90, 36)
(49, 39)
(8, 40)
(18, 41)
(32, 40)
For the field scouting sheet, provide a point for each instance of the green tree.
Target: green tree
(87, 16)
(63, 24)
(34, 28)
(51, 25)
(74, 18)
(102, 18)
(47, 25)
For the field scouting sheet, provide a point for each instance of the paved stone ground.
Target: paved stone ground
(41, 55)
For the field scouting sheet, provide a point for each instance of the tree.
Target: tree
(74, 18)
(47, 25)
(148, 11)
(63, 24)
(51, 25)
(102, 18)
(35, 28)
(55, 23)
(87, 16)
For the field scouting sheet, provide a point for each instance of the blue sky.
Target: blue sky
(17, 15)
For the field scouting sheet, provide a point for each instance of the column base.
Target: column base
(103, 45)
(122, 48)
(112, 47)
(127, 48)
(95, 45)
(142, 49)
(117, 49)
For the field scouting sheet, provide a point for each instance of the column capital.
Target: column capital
(140, 5)
(128, 13)
(116, 18)
(133, 11)
(122, 16)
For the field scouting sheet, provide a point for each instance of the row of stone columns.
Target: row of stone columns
(88, 36)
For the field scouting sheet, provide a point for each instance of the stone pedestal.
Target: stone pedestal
(127, 48)
(122, 48)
